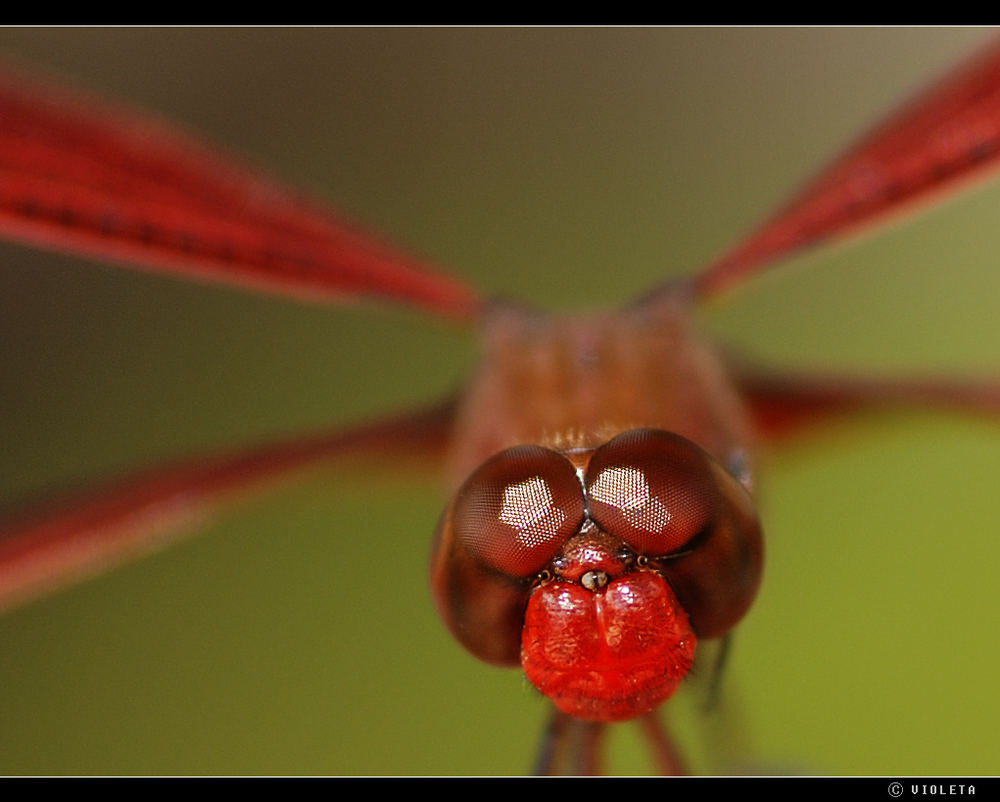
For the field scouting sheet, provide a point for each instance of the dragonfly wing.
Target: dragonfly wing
(124, 519)
(944, 138)
(82, 175)
(784, 403)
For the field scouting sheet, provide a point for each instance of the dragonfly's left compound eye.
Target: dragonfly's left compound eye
(673, 503)
(653, 489)
(518, 508)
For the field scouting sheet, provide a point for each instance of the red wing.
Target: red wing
(80, 175)
(944, 137)
(784, 403)
(127, 518)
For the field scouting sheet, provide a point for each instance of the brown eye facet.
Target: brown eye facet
(653, 489)
(518, 508)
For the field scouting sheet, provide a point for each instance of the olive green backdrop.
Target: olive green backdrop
(573, 168)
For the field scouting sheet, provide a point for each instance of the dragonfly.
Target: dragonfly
(339, 717)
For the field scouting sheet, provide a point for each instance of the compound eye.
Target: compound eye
(653, 489)
(518, 508)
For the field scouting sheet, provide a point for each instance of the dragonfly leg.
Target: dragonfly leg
(666, 755)
(718, 667)
(570, 746)
(553, 743)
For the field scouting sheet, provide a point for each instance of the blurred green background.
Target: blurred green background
(570, 167)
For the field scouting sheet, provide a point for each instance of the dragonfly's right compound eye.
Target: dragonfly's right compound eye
(515, 512)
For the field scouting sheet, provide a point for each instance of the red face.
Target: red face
(598, 569)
